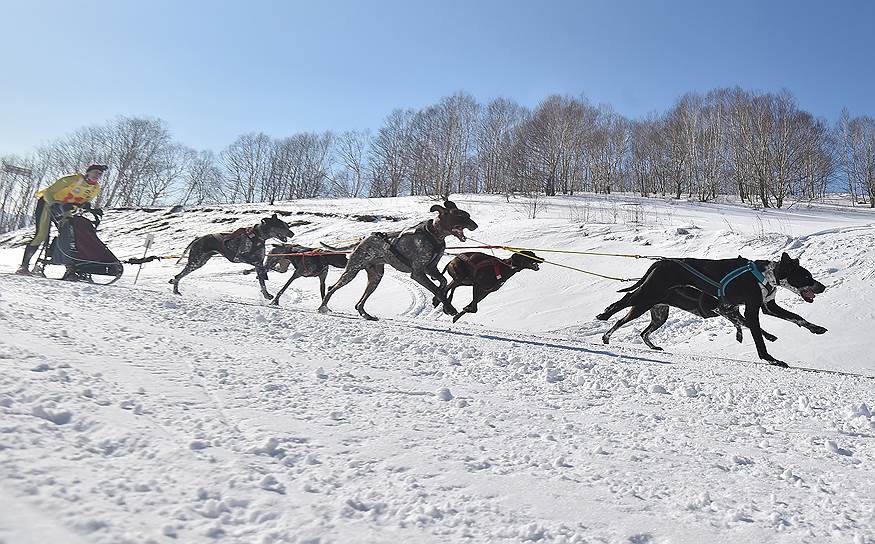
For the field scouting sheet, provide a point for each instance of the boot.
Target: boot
(70, 273)
(29, 251)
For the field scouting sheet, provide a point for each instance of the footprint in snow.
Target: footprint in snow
(834, 448)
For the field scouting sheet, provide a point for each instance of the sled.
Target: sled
(77, 247)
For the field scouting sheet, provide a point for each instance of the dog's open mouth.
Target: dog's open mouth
(459, 232)
(807, 294)
(536, 266)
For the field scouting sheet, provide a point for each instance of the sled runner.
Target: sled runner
(79, 249)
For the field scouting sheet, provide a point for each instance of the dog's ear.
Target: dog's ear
(450, 205)
(438, 208)
(785, 263)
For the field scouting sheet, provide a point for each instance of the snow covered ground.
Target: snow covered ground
(128, 414)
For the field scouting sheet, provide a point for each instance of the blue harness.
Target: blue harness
(728, 278)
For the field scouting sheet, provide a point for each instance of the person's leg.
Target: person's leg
(41, 219)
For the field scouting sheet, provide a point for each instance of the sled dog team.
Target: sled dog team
(705, 287)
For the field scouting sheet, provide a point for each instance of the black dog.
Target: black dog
(668, 274)
(485, 273)
(415, 251)
(694, 301)
(315, 264)
(244, 245)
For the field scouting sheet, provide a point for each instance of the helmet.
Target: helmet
(101, 167)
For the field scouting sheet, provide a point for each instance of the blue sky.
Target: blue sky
(216, 69)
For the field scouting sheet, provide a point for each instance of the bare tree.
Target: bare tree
(202, 181)
(351, 148)
(855, 142)
(389, 155)
(760, 146)
(246, 163)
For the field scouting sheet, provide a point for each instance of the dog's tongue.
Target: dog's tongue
(460, 234)
(807, 295)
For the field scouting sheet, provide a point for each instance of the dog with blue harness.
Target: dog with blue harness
(724, 285)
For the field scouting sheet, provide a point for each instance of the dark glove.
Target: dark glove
(85, 205)
(97, 211)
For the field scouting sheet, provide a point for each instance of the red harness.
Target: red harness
(496, 264)
(225, 237)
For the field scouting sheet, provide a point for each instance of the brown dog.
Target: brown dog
(485, 273)
(315, 264)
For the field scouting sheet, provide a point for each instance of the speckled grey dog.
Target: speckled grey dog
(416, 251)
(244, 245)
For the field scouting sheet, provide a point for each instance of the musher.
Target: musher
(61, 197)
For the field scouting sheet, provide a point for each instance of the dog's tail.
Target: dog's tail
(185, 251)
(636, 286)
(640, 282)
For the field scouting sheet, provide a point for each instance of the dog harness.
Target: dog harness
(728, 278)
(436, 243)
(497, 267)
(248, 234)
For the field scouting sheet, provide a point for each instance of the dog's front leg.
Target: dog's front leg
(262, 278)
(479, 294)
(421, 278)
(752, 318)
(435, 274)
(731, 313)
(771, 308)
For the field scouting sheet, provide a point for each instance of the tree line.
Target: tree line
(760, 147)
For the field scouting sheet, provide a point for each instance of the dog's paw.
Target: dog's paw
(602, 317)
(324, 310)
(769, 337)
(739, 337)
(779, 364)
(817, 329)
(435, 301)
(450, 310)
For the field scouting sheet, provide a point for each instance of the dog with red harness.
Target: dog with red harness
(485, 273)
(244, 245)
